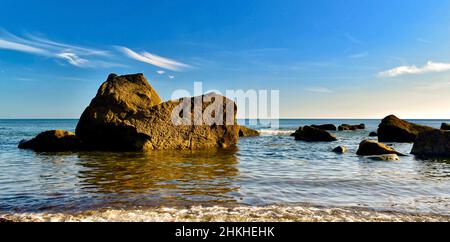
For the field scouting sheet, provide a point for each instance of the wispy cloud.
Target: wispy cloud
(359, 55)
(411, 70)
(319, 90)
(155, 60)
(171, 77)
(161, 72)
(74, 55)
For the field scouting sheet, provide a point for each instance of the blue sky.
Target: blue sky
(329, 59)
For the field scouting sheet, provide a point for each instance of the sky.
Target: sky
(328, 59)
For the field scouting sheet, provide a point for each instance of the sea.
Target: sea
(271, 177)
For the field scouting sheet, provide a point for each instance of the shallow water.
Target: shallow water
(269, 170)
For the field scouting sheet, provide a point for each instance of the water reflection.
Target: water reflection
(161, 177)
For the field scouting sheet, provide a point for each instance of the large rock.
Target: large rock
(373, 148)
(434, 143)
(328, 127)
(247, 132)
(311, 134)
(347, 127)
(445, 126)
(393, 129)
(127, 115)
(52, 141)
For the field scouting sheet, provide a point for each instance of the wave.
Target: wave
(228, 214)
(274, 132)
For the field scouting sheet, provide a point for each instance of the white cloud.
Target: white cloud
(411, 70)
(161, 72)
(319, 90)
(4, 44)
(171, 77)
(74, 55)
(154, 60)
(73, 59)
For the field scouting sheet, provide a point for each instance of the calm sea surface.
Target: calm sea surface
(269, 170)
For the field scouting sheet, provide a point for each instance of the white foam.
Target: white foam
(275, 132)
(227, 214)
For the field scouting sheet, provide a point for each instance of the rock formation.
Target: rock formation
(434, 143)
(445, 126)
(311, 134)
(327, 127)
(127, 115)
(393, 129)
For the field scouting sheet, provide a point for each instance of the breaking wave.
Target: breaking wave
(227, 214)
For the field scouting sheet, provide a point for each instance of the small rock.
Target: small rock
(445, 126)
(391, 157)
(346, 127)
(247, 132)
(373, 148)
(373, 134)
(340, 150)
(311, 134)
(52, 141)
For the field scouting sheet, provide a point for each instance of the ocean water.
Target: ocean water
(271, 170)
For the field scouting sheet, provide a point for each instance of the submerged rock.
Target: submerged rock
(311, 134)
(346, 127)
(52, 141)
(327, 127)
(393, 129)
(434, 143)
(127, 115)
(247, 132)
(340, 150)
(373, 134)
(391, 157)
(445, 126)
(373, 148)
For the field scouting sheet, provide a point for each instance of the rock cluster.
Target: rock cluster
(393, 129)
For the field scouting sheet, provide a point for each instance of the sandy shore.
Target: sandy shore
(223, 214)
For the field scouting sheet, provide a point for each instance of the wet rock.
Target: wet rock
(52, 141)
(391, 157)
(247, 132)
(373, 148)
(434, 143)
(373, 134)
(127, 115)
(349, 127)
(311, 134)
(327, 127)
(393, 129)
(445, 126)
(340, 150)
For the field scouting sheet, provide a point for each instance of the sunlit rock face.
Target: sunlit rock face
(127, 115)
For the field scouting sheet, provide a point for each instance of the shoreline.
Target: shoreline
(271, 213)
